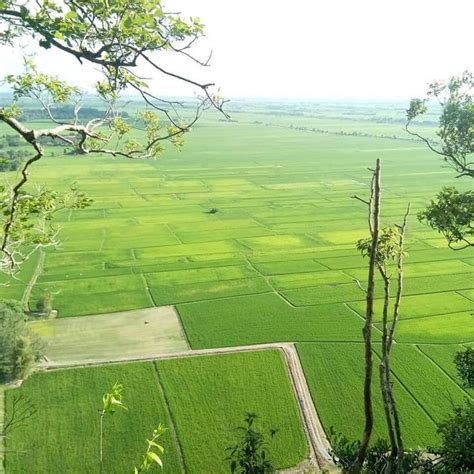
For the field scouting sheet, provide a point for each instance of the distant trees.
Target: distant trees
(451, 212)
(19, 350)
(124, 40)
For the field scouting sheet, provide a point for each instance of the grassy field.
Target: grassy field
(224, 387)
(278, 259)
(209, 395)
(131, 334)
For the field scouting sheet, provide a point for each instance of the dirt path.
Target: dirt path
(317, 440)
(38, 270)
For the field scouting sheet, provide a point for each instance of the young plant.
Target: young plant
(249, 455)
(153, 452)
(111, 402)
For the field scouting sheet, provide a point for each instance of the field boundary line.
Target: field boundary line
(464, 296)
(420, 350)
(174, 428)
(182, 327)
(29, 287)
(3, 413)
(147, 290)
(267, 281)
(407, 390)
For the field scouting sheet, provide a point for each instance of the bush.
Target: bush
(464, 361)
(19, 350)
(457, 434)
(44, 304)
(344, 453)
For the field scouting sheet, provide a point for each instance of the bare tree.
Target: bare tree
(374, 223)
(390, 251)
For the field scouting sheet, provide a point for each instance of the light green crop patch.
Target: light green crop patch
(445, 328)
(225, 387)
(420, 306)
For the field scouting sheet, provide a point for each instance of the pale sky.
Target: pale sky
(365, 49)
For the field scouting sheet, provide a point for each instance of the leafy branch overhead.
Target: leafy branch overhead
(452, 212)
(456, 122)
(123, 39)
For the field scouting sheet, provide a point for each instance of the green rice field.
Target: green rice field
(224, 387)
(275, 263)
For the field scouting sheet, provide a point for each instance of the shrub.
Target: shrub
(464, 361)
(18, 349)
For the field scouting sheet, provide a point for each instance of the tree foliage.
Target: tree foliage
(464, 361)
(452, 212)
(457, 435)
(344, 453)
(19, 350)
(456, 122)
(121, 38)
(249, 454)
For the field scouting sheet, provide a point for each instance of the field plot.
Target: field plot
(275, 262)
(57, 427)
(265, 318)
(424, 392)
(132, 334)
(223, 386)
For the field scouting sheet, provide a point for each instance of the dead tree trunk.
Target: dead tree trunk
(374, 223)
(396, 458)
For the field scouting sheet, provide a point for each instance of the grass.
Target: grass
(445, 328)
(431, 387)
(224, 387)
(443, 356)
(264, 318)
(284, 236)
(132, 334)
(340, 366)
(66, 416)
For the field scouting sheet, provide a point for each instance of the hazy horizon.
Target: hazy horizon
(339, 50)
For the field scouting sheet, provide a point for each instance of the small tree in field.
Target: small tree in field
(249, 454)
(44, 305)
(111, 402)
(19, 350)
(464, 361)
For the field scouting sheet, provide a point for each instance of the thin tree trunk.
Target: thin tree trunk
(396, 314)
(385, 375)
(374, 219)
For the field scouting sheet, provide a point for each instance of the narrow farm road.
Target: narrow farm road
(29, 287)
(318, 443)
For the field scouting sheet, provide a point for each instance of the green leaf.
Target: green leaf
(155, 458)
